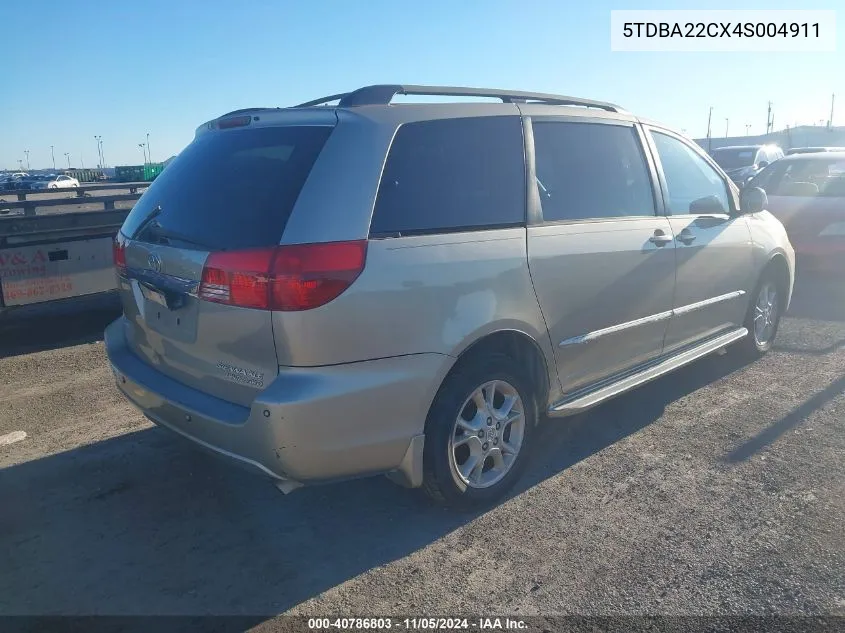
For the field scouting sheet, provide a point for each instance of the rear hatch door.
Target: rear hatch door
(230, 191)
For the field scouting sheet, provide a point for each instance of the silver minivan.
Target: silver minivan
(353, 286)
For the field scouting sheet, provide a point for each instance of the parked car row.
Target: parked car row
(13, 181)
(742, 162)
(54, 181)
(24, 181)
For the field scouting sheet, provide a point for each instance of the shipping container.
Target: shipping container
(151, 171)
(138, 173)
(86, 175)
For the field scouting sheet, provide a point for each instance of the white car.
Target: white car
(55, 182)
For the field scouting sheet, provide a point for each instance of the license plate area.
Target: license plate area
(177, 325)
(152, 295)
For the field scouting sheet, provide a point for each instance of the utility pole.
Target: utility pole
(99, 153)
(67, 155)
(20, 164)
(769, 119)
(53, 156)
(747, 128)
(82, 160)
(102, 153)
(830, 122)
(709, 137)
(26, 151)
(143, 147)
(149, 151)
(726, 127)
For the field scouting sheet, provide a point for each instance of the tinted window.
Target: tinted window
(230, 189)
(452, 174)
(587, 170)
(803, 178)
(734, 158)
(692, 183)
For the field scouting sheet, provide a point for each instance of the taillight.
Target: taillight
(285, 278)
(118, 251)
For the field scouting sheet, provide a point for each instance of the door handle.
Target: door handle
(686, 236)
(660, 238)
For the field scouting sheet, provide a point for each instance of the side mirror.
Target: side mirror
(752, 200)
(707, 206)
(762, 164)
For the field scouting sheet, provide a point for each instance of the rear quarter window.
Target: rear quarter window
(230, 189)
(451, 175)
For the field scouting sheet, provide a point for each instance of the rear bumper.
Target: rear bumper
(309, 425)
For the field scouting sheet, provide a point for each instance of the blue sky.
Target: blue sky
(72, 70)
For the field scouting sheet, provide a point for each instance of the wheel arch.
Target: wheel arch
(523, 348)
(778, 266)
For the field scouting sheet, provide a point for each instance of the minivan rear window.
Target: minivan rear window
(230, 189)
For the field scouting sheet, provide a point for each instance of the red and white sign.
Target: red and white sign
(38, 273)
(22, 263)
(34, 290)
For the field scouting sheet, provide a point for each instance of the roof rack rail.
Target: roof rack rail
(322, 100)
(383, 94)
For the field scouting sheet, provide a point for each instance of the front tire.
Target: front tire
(479, 432)
(763, 317)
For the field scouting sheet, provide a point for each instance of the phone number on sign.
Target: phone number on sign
(388, 623)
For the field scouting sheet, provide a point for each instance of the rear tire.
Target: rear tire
(479, 432)
(763, 317)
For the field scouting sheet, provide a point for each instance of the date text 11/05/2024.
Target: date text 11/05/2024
(417, 624)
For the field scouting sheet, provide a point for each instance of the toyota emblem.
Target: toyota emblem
(154, 262)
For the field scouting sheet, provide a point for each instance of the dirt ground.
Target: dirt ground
(717, 490)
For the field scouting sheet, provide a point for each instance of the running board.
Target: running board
(580, 401)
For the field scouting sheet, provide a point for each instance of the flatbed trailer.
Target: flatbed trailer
(57, 255)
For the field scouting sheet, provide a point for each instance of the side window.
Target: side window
(694, 186)
(452, 174)
(590, 171)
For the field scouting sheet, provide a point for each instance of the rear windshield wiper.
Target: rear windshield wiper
(162, 236)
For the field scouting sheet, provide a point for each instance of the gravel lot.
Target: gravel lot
(717, 490)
